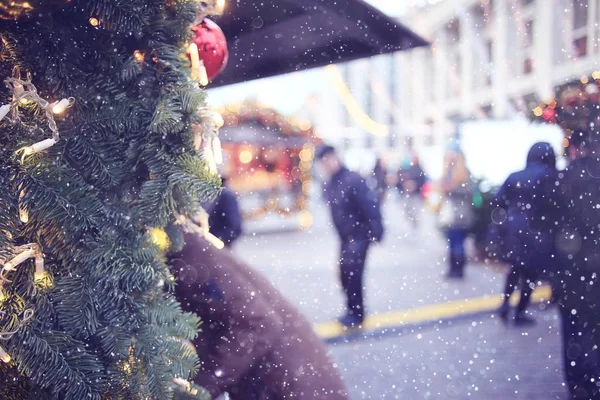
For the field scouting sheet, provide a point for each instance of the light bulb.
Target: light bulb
(217, 150)
(4, 110)
(203, 77)
(94, 21)
(138, 56)
(23, 215)
(61, 106)
(4, 356)
(218, 118)
(40, 273)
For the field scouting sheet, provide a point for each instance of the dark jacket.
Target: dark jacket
(578, 244)
(253, 343)
(354, 207)
(529, 198)
(225, 220)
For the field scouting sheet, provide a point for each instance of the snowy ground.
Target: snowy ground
(470, 358)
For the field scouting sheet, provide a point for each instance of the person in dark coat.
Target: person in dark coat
(253, 344)
(357, 219)
(527, 198)
(225, 219)
(576, 286)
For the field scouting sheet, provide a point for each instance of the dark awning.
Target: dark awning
(273, 37)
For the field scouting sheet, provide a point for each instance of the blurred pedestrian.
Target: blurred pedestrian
(225, 219)
(455, 214)
(529, 222)
(357, 219)
(411, 179)
(380, 179)
(576, 287)
(253, 344)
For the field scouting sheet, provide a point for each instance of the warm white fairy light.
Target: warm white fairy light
(4, 110)
(19, 258)
(216, 150)
(209, 157)
(23, 215)
(4, 356)
(200, 225)
(25, 92)
(36, 148)
(31, 250)
(195, 59)
(61, 106)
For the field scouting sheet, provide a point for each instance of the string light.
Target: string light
(94, 21)
(4, 356)
(4, 110)
(27, 315)
(36, 148)
(217, 150)
(61, 106)
(138, 56)
(28, 251)
(25, 91)
(25, 255)
(220, 6)
(23, 215)
(202, 228)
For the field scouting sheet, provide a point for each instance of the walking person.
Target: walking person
(411, 181)
(528, 199)
(576, 285)
(456, 209)
(253, 344)
(357, 219)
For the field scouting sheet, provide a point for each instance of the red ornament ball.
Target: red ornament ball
(212, 47)
(16, 9)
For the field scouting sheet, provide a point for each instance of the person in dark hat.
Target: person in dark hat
(576, 286)
(525, 208)
(225, 218)
(357, 219)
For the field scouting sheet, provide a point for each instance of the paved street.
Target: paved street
(473, 357)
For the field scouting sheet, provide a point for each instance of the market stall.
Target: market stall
(268, 162)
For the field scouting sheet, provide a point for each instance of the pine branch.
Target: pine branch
(56, 362)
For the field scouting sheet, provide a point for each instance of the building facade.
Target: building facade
(488, 59)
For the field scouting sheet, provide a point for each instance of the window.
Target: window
(452, 58)
(580, 14)
(580, 20)
(527, 47)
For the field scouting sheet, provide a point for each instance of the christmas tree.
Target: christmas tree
(97, 155)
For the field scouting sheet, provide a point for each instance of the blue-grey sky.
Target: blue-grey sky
(287, 93)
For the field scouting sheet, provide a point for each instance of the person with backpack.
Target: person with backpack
(356, 216)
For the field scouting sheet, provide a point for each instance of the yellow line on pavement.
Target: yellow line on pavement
(434, 312)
